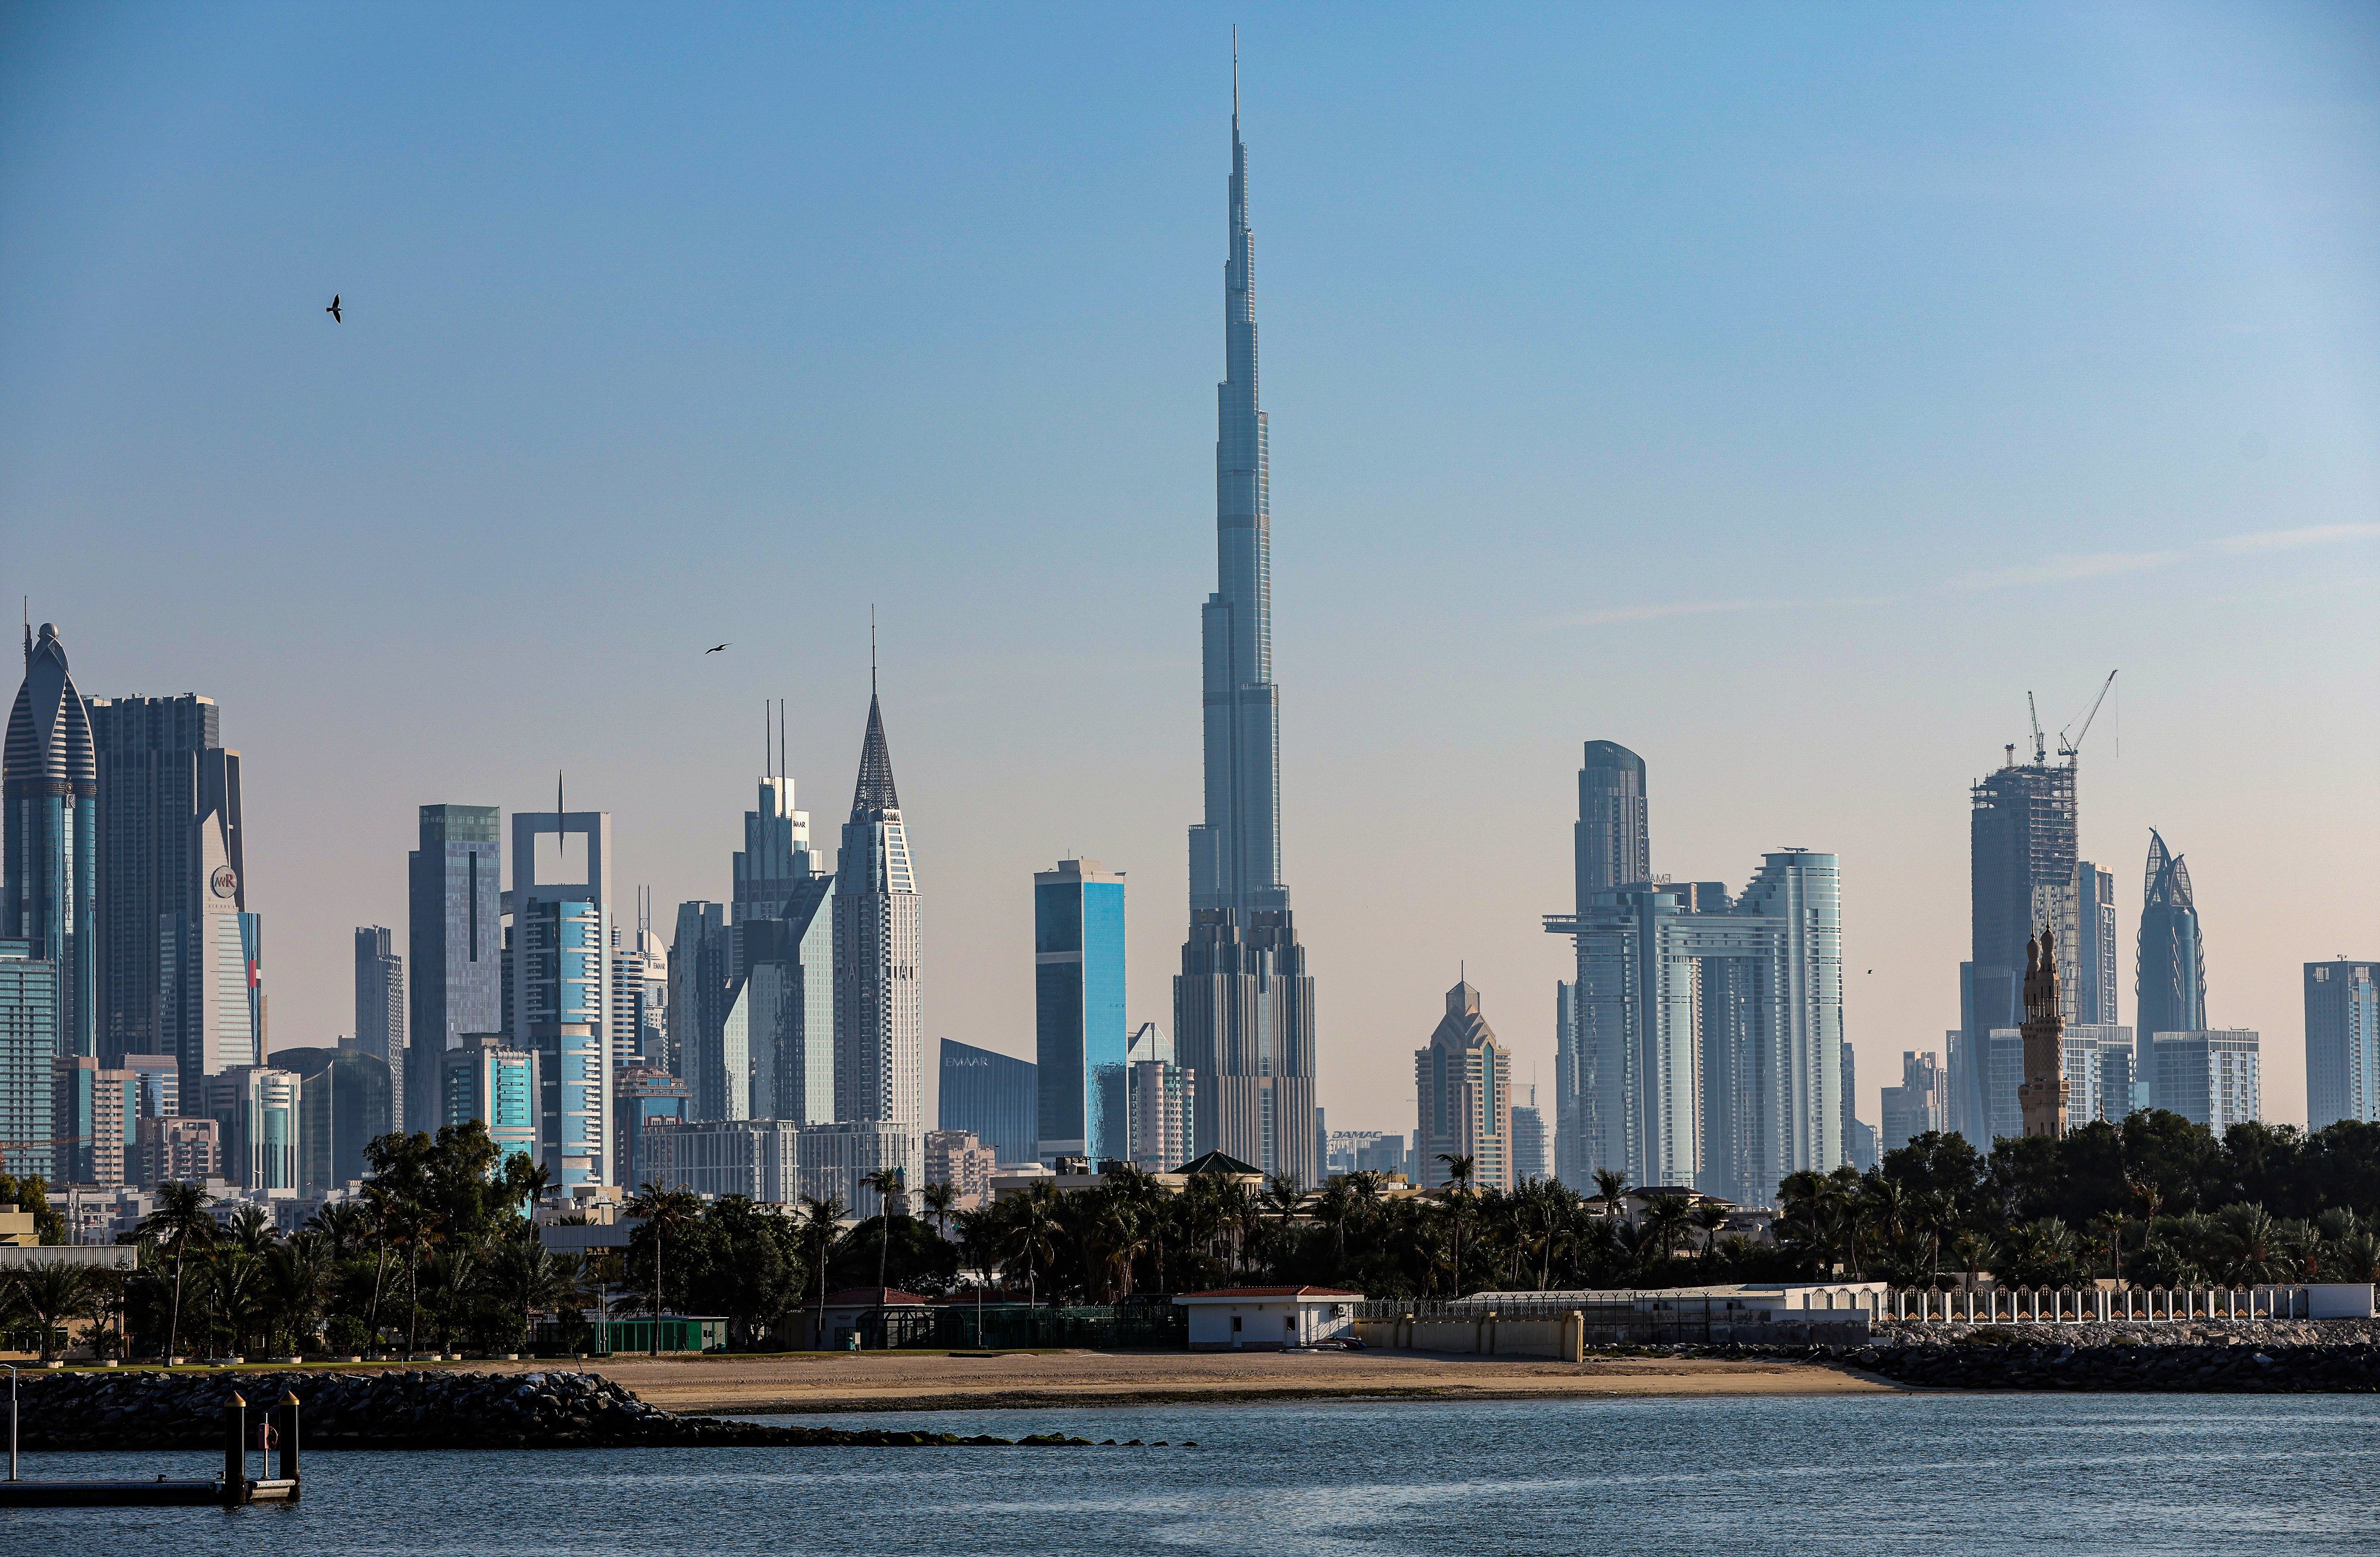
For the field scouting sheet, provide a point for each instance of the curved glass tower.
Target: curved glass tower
(2172, 996)
(51, 840)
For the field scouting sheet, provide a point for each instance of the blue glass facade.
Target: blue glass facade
(1079, 1031)
(993, 1095)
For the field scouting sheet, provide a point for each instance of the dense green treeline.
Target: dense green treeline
(439, 1254)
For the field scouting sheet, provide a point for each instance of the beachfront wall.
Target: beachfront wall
(2319, 1300)
(1559, 1325)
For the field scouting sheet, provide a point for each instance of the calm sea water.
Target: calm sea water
(1872, 1474)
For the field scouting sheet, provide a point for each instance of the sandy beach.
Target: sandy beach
(933, 1380)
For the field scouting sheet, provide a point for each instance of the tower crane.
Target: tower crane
(2040, 751)
(2073, 749)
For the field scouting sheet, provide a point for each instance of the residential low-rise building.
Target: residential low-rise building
(1268, 1319)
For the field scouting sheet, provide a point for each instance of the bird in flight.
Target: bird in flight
(714, 650)
(334, 309)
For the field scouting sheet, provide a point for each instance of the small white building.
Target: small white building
(1268, 1319)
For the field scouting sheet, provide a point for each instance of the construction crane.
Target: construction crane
(2040, 751)
(2073, 749)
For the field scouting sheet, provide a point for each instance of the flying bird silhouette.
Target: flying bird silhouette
(714, 650)
(334, 309)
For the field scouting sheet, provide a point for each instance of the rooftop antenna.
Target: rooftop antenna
(1235, 81)
(768, 741)
(784, 769)
(871, 653)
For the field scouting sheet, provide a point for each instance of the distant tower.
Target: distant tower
(1243, 1002)
(52, 871)
(1611, 838)
(878, 1005)
(380, 1003)
(1463, 1082)
(2041, 1097)
(2172, 996)
(454, 938)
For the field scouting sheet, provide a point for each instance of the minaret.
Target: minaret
(2041, 1097)
(1244, 1006)
(879, 1015)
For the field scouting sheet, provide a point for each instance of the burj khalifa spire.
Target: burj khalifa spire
(1243, 1005)
(1235, 853)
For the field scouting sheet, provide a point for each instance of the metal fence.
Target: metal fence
(1122, 1326)
(2070, 1306)
(1608, 1317)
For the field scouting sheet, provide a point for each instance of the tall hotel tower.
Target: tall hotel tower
(1244, 1006)
(879, 1011)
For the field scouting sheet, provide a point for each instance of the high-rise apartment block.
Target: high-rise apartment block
(49, 843)
(2101, 1073)
(1162, 1100)
(878, 1003)
(2097, 979)
(2172, 992)
(957, 1159)
(640, 1094)
(164, 777)
(995, 1097)
(562, 910)
(455, 932)
(178, 1149)
(380, 1000)
(1532, 1146)
(1705, 1042)
(1613, 835)
(2212, 1078)
(1243, 1002)
(256, 1110)
(1464, 1079)
(2342, 1042)
(1079, 1033)
(346, 1099)
(485, 1076)
(1919, 1105)
(28, 1060)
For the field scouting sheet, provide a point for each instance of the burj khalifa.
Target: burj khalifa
(1243, 1005)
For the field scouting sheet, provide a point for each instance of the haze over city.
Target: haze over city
(1784, 396)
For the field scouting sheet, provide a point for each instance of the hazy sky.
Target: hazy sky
(1782, 392)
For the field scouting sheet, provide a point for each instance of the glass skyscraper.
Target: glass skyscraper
(1243, 1005)
(454, 921)
(2172, 993)
(162, 777)
(49, 875)
(1080, 1036)
(878, 1013)
(562, 985)
(993, 1095)
(2342, 1042)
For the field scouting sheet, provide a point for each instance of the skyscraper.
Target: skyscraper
(2043, 1096)
(455, 932)
(2212, 1078)
(1612, 835)
(775, 858)
(1706, 1031)
(2342, 1042)
(1463, 1079)
(49, 879)
(993, 1097)
(1162, 1100)
(2172, 996)
(1917, 1107)
(380, 1003)
(29, 1061)
(562, 908)
(1079, 1032)
(1243, 1003)
(2022, 833)
(2097, 977)
(157, 757)
(1531, 1148)
(345, 1099)
(878, 1009)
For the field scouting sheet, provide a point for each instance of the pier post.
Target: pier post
(289, 1405)
(234, 1488)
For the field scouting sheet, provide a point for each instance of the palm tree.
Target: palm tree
(1710, 1217)
(1610, 1185)
(526, 1276)
(887, 1183)
(180, 1219)
(51, 1292)
(1030, 1233)
(1665, 1219)
(818, 1218)
(939, 1199)
(2253, 1239)
(1459, 1169)
(295, 1274)
(665, 1213)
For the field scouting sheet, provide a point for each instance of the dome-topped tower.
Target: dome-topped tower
(50, 776)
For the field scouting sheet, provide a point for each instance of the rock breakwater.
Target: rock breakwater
(410, 1409)
(2061, 1363)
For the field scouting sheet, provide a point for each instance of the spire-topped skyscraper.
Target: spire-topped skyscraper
(879, 1015)
(50, 872)
(1244, 1006)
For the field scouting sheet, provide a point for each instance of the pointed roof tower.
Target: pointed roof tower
(875, 794)
(48, 750)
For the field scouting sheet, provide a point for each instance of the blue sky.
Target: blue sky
(1782, 392)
